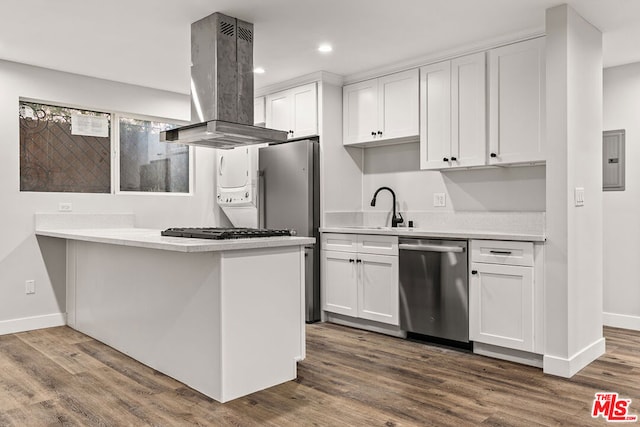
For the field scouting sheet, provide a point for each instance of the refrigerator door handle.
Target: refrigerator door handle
(262, 215)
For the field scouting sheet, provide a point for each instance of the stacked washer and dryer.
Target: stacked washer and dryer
(276, 187)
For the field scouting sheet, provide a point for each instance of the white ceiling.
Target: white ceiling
(146, 42)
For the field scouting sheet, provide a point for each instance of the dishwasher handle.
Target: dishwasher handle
(429, 248)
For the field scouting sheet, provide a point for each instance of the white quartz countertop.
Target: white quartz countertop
(152, 239)
(444, 233)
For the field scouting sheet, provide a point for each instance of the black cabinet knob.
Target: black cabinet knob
(373, 134)
(493, 155)
(380, 132)
(453, 159)
(474, 271)
(446, 159)
(351, 260)
(358, 261)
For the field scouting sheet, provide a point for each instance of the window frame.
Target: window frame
(115, 157)
(114, 142)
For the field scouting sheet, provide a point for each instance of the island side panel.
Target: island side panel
(71, 283)
(160, 307)
(262, 318)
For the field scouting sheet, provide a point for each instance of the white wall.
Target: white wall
(486, 190)
(621, 209)
(20, 252)
(341, 167)
(573, 251)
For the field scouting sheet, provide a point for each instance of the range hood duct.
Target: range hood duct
(222, 87)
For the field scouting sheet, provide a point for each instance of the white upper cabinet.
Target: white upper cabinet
(453, 113)
(294, 110)
(259, 118)
(382, 110)
(517, 103)
(435, 115)
(360, 111)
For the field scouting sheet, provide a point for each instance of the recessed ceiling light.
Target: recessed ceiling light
(258, 70)
(325, 48)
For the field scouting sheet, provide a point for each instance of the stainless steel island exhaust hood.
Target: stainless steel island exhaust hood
(222, 87)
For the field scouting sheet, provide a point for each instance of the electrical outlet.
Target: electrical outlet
(65, 207)
(30, 287)
(579, 196)
(439, 200)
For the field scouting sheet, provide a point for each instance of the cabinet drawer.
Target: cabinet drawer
(339, 242)
(376, 244)
(502, 252)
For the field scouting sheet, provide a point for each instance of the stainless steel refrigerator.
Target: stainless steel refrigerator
(289, 197)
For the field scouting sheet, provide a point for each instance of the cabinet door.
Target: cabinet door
(501, 305)
(360, 112)
(259, 117)
(398, 97)
(435, 115)
(278, 111)
(305, 110)
(516, 103)
(468, 111)
(339, 282)
(378, 288)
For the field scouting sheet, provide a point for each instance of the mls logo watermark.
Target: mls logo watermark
(612, 408)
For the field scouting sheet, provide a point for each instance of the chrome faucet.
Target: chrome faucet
(394, 220)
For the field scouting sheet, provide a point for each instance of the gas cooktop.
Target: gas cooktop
(225, 233)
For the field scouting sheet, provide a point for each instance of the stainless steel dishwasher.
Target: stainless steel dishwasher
(434, 288)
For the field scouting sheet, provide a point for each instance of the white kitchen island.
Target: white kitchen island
(224, 317)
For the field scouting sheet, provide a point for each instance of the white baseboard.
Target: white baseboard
(30, 323)
(621, 321)
(568, 367)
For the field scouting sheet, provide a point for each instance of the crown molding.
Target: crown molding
(444, 55)
(318, 76)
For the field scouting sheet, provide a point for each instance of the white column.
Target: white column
(573, 253)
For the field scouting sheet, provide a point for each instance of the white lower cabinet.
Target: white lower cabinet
(361, 282)
(378, 288)
(502, 298)
(340, 283)
(501, 305)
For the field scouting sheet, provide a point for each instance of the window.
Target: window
(146, 164)
(66, 149)
(56, 156)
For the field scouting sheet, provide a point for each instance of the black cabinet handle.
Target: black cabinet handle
(380, 132)
(453, 159)
(446, 159)
(358, 261)
(474, 271)
(373, 134)
(501, 252)
(351, 260)
(494, 155)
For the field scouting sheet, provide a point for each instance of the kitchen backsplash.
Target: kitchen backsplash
(507, 222)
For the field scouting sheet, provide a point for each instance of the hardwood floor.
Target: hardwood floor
(350, 378)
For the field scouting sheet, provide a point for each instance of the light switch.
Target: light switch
(579, 196)
(439, 200)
